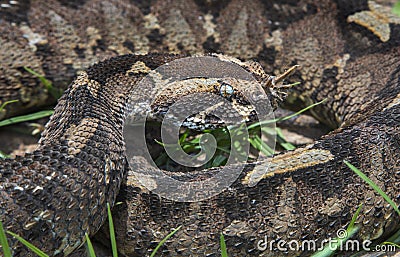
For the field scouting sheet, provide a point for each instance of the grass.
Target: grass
(33, 116)
(3, 155)
(351, 230)
(4, 242)
(396, 8)
(7, 103)
(38, 252)
(395, 239)
(153, 254)
(24, 118)
(55, 92)
(190, 142)
(112, 232)
(224, 252)
(90, 249)
(28, 117)
(286, 117)
(33, 248)
(374, 186)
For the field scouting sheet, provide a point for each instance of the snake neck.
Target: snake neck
(98, 97)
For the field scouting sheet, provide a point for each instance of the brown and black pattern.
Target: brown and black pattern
(348, 52)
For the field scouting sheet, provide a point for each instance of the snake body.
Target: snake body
(348, 52)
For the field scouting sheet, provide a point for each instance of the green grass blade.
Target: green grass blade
(353, 220)
(164, 240)
(4, 242)
(224, 252)
(31, 247)
(161, 159)
(329, 250)
(112, 232)
(159, 142)
(350, 231)
(395, 238)
(286, 117)
(90, 249)
(223, 150)
(255, 143)
(28, 117)
(42, 79)
(396, 8)
(56, 93)
(282, 141)
(390, 243)
(260, 145)
(7, 102)
(3, 155)
(184, 136)
(299, 112)
(373, 185)
(218, 160)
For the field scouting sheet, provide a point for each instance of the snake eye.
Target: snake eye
(226, 90)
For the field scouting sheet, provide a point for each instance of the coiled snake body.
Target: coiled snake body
(55, 195)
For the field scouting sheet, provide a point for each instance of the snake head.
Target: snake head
(214, 91)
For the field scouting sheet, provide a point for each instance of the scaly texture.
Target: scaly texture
(348, 52)
(58, 193)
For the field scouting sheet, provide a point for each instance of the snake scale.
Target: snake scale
(348, 52)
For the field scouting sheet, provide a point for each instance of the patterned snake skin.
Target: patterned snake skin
(348, 52)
